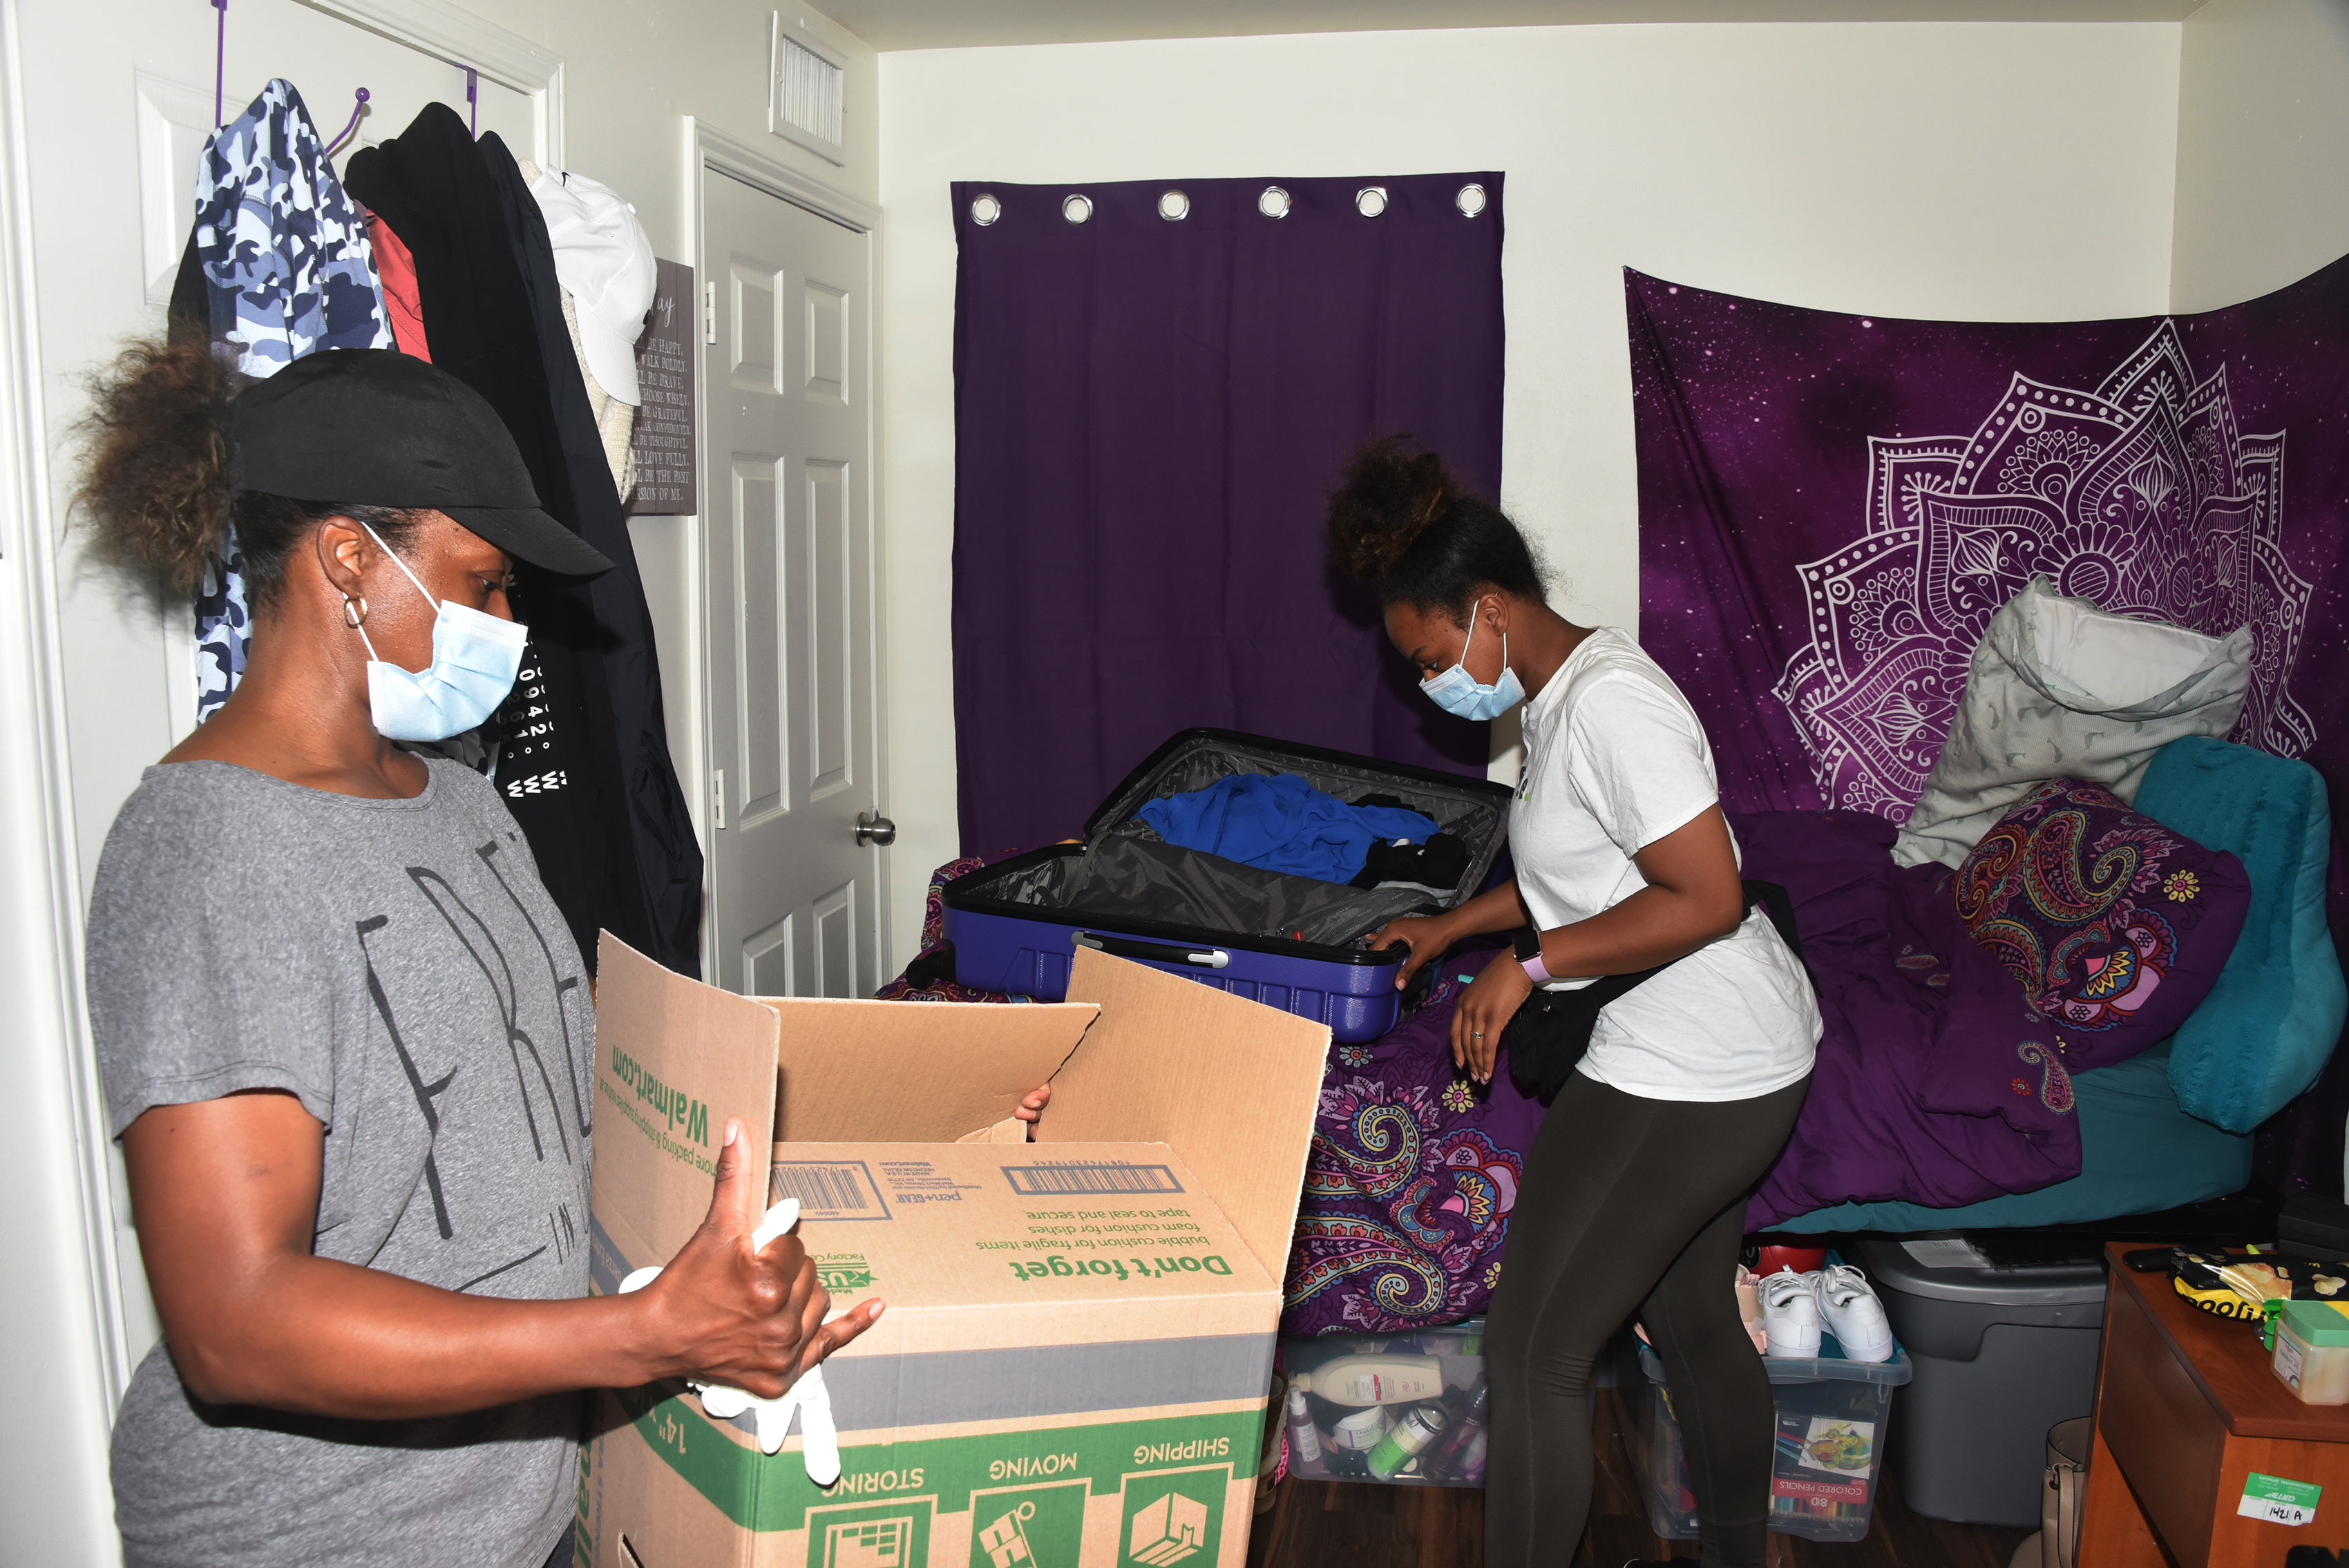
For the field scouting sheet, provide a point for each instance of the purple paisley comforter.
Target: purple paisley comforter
(1409, 1187)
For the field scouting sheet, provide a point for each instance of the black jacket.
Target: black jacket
(668, 858)
(560, 767)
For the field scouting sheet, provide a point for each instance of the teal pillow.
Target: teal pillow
(2266, 1029)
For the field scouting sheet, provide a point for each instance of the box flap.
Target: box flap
(674, 1059)
(1232, 1085)
(912, 1072)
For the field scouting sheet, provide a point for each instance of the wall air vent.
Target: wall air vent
(803, 103)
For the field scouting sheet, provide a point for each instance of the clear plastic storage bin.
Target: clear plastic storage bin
(1420, 1395)
(1831, 1420)
(1347, 1429)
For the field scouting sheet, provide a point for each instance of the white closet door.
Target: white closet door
(118, 101)
(788, 591)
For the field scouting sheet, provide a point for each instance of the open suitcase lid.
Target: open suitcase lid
(1273, 756)
(1127, 878)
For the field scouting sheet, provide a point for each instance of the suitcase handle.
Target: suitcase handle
(1153, 951)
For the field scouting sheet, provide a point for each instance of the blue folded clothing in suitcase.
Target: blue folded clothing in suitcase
(1293, 941)
(1282, 824)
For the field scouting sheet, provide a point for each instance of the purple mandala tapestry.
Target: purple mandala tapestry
(1832, 507)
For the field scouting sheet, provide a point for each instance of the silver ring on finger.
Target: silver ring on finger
(1475, 1034)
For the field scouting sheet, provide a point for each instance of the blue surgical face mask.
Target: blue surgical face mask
(475, 657)
(1456, 691)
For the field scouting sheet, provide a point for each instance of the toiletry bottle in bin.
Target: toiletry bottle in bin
(1359, 1432)
(1419, 1426)
(1304, 1439)
(1347, 1442)
(1374, 1379)
(1467, 1423)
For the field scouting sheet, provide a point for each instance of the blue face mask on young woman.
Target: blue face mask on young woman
(475, 657)
(1456, 691)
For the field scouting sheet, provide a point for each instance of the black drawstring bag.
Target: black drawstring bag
(1549, 1035)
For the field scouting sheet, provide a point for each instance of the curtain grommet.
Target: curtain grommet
(1371, 200)
(1077, 208)
(985, 209)
(1471, 200)
(1274, 202)
(1174, 205)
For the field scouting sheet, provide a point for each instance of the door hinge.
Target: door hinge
(710, 311)
(718, 798)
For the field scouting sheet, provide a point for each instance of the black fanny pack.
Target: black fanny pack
(1551, 1031)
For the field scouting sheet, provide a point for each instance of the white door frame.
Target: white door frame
(709, 149)
(43, 914)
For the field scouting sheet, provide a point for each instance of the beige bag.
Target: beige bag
(2066, 1493)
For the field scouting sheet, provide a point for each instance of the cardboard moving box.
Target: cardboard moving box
(1072, 1370)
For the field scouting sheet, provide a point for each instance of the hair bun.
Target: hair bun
(154, 482)
(1390, 493)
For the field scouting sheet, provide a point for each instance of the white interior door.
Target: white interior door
(119, 98)
(116, 100)
(790, 657)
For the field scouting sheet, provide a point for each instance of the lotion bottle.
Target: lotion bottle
(1384, 1380)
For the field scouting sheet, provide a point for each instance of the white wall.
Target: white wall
(2001, 171)
(2262, 148)
(630, 71)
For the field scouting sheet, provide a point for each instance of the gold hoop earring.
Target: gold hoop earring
(355, 612)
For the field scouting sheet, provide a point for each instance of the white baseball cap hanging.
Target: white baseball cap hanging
(602, 256)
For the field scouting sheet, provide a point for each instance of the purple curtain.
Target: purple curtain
(1832, 506)
(1149, 414)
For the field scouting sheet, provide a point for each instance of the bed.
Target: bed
(2172, 1125)
(1922, 1118)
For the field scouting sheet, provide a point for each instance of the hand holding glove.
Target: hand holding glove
(819, 1437)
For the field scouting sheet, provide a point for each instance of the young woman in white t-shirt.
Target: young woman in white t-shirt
(1634, 1192)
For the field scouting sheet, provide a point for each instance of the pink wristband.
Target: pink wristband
(1535, 971)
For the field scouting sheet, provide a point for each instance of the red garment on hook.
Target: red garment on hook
(394, 268)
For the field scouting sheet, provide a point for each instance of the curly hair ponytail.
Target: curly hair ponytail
(154, 484)
(1401, 521)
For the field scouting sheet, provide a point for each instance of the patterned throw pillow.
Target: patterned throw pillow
(2116, 926)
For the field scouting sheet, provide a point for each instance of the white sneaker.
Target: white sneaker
(1854, 1316)
(1790, 1314)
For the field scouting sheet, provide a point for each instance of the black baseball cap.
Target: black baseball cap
(373, 427)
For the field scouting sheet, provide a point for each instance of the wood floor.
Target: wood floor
(1311, 1524)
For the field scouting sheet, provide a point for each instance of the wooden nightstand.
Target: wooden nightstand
(2185, 1411)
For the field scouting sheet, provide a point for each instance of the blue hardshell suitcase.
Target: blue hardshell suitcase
(1291, 942)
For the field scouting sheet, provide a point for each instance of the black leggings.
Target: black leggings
(1630, 1205)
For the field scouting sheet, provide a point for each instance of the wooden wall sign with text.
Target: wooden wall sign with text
(663, 442)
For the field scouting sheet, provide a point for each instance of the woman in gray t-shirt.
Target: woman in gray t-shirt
(345, 1038)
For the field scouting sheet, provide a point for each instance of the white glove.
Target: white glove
(819, 1437)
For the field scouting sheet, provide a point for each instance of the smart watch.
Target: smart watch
(1529, 956)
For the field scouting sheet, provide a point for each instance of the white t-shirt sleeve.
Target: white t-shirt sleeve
(1638, 761)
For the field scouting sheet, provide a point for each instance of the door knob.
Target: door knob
(874, 828)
